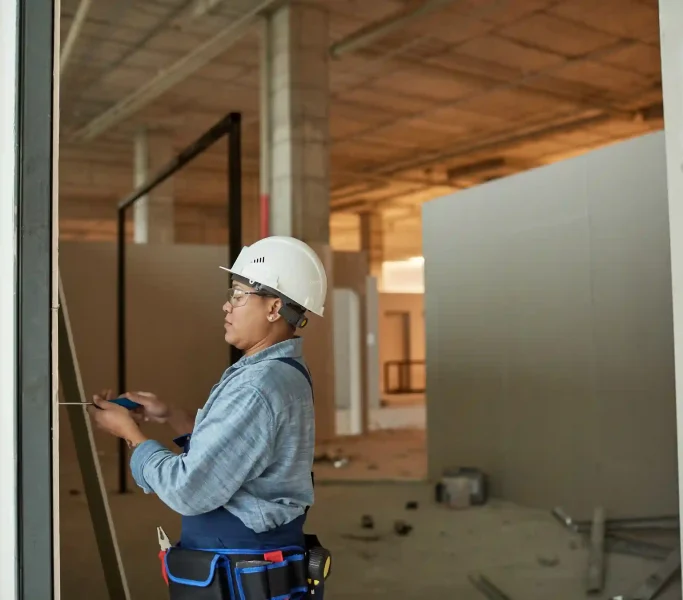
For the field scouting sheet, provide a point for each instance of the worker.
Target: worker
(243, 482)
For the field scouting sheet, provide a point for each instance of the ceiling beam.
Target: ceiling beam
(375, 31)
(532, 133)
(519, 80)
(499, 142)
(171, 76)
(74, 33)
(504, 86)
(204, 7)
(495, 144)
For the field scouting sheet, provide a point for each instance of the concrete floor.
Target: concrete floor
(399, 416)
(385, 455)
(502, 541)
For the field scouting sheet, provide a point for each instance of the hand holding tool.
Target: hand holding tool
(125, 402)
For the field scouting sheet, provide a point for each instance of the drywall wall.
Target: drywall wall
(350, 272)
(174, 324)
(347, 363)
(549, 333)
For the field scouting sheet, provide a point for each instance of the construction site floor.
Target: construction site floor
(508, 544)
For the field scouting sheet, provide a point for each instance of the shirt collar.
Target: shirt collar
(288, 349)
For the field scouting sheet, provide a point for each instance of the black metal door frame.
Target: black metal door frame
(230, 126)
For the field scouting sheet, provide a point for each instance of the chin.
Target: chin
(231, 340)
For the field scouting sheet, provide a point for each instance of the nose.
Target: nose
(227, 307)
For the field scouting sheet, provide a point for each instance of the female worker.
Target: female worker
(243, 482)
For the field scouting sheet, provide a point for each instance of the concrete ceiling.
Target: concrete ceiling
(421, 104)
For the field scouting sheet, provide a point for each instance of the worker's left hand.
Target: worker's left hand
(114, 419)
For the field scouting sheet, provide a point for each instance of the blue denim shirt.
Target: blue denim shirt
(252, 446)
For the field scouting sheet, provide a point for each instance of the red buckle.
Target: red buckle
(275, 557)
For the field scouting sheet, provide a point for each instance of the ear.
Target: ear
(274, 310)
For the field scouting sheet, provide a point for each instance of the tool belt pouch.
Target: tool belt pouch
(196, 575)
(265, 580)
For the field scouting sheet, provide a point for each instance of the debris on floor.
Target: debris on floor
(657, 581)
(337, 460)
(411, 505)
(367, 522)
(385, 455)
(644, 538)
(462, 487)
(487, 587)
(548, 561)
(402, 528)
(595, 571)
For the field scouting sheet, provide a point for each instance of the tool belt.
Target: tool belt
(235, 574)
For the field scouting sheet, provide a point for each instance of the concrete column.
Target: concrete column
(153, 215)
(295, 166)
(671, 31)
(297, 42)
(372, 240)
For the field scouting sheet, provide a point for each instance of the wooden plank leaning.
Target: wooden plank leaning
(95, 491)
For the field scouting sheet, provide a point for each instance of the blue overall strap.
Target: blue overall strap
(304, 371)
(299, 367)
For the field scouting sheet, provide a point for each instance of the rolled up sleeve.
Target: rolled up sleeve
(231, 445)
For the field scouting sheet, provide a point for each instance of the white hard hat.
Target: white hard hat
(288, 267)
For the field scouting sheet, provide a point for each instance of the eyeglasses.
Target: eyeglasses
(238, 297)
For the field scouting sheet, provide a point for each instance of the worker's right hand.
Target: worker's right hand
(152, 409)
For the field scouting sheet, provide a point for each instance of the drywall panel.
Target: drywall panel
(549, 333)
(347, 364)
(350, 271)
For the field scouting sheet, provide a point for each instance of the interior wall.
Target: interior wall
(176, 347)
(549, 333)
(347, 360)
(350, 272)
(413, 304)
